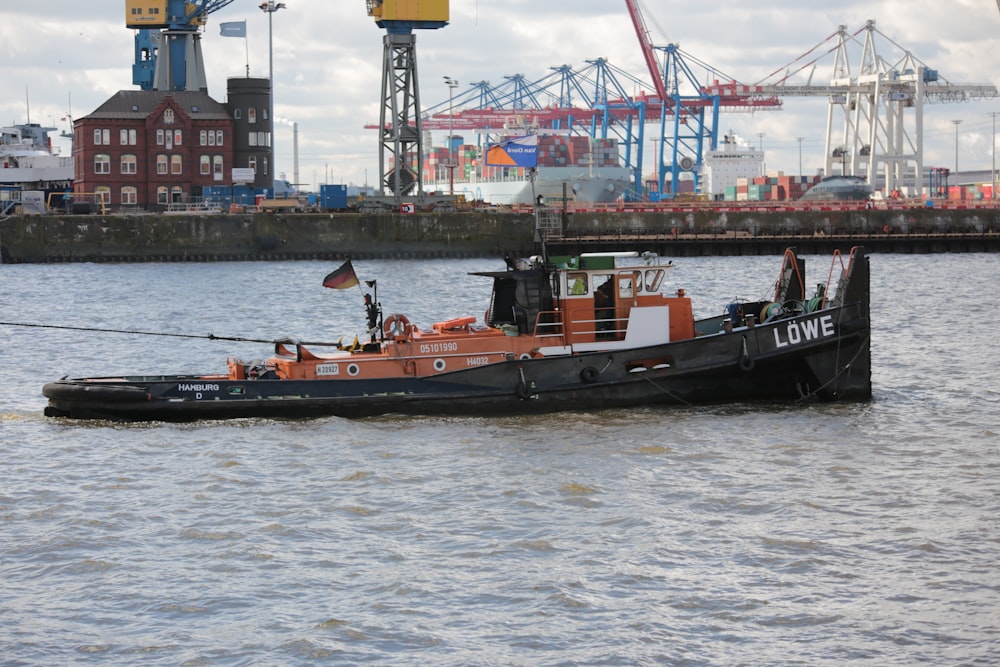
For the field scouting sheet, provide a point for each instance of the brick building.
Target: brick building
(147, 149)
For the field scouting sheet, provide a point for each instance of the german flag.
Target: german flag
(342, 278)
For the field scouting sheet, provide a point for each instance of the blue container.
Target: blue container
(333, 197)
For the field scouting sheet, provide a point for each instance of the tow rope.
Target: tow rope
(237, 339)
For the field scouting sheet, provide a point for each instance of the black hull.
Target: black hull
(822, 356)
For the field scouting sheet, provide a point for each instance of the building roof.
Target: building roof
(139, 104)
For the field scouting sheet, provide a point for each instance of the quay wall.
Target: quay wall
(269, 236)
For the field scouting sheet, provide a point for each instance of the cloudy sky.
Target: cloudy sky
(68, 55)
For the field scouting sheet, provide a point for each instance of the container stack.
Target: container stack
(774, 187)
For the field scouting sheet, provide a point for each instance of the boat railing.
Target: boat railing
(549, 325)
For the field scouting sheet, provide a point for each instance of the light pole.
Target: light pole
(799, 139)
(452, 85)
(993, 171)
(763, 162)
(269, 8)
(957, 123)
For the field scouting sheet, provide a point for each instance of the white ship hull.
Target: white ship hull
(582, 184)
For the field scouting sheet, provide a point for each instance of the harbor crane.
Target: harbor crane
(168, 42)
(400, 132)
(875, 121)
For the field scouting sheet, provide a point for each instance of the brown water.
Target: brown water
(746, 534)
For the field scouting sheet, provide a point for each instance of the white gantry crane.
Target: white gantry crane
(876, 113)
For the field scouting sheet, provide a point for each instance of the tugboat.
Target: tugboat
(594, 331)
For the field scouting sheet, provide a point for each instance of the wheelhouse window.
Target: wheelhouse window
(577, 283)
(654, 279)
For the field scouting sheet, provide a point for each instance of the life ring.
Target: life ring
(589, 374)
(396, 326)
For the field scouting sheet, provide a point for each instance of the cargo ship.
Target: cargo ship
(570, 168)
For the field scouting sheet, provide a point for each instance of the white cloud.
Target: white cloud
(327, 58)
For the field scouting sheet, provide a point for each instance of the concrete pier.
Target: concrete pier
(268, 236)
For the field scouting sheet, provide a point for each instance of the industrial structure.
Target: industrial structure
(874, 125)
(399, 120)
(168, 42)
(876, 115)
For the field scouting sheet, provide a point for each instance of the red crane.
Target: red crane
(648, 52)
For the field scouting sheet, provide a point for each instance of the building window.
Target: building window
(102, 137)
(237, 114)
(127, 137)
(130, 196)
(205, 163)
(178, 137)
(219, 137)
(169, 140)
(168, 116)
(203, 138)
(102, 164)
(264, 112)
(162, 193)
(103, 193)
(175, 164)
(177, 195)
(251, 115)
(161, 164)
(265, 166)
(159, 137)
(263, 138)
(217, 167)
(129, 164)
(252, 163)
(252, 139)
(211, 137)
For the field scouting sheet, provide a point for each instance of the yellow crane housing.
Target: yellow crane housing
(408, 10)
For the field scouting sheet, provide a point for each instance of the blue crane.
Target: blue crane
(167, 42)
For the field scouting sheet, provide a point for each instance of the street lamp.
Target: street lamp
(452, 84)
(799, 139)
(957, 123)
(993, 171)
(269, 8)
(763, 162)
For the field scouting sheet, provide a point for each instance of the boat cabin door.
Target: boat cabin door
(614, 297)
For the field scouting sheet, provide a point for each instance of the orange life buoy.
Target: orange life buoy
(397, 327)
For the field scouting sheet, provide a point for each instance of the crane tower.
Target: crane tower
(168, 42)
(399, 119)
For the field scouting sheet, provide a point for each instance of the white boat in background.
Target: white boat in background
(28, 160)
